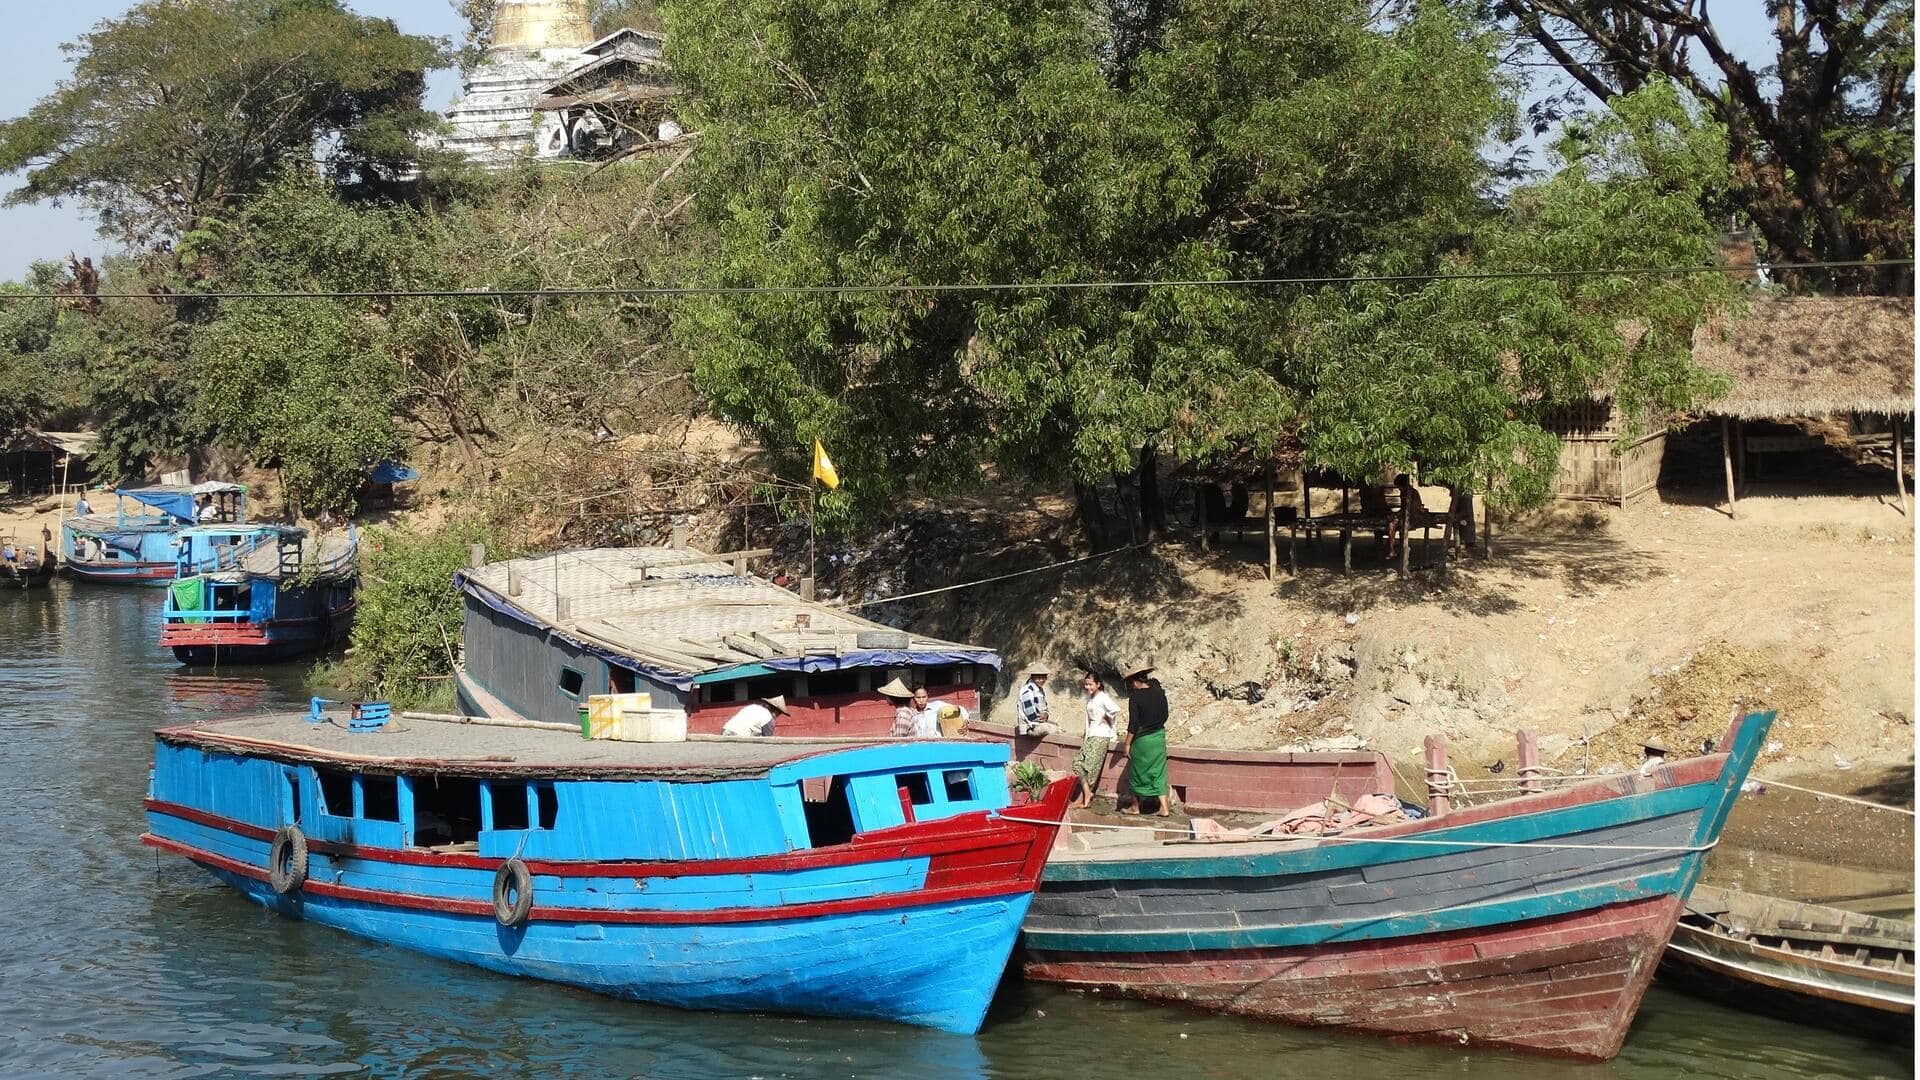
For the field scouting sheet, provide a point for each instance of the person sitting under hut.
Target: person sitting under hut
(1145, 744)
(755, 718)
(905, 717)
(1033, 713)
(1411, 509)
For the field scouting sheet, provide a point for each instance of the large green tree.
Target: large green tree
(179, 109)
(874, 143)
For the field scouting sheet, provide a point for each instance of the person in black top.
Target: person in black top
(1146, 741)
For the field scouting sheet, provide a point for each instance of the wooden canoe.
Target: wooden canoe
(1798, 960)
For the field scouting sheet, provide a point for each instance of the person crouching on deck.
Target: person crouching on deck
(1102, 711)
(755, 719)
(1146, 741)
(905, 716)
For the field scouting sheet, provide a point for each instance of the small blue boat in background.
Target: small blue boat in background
(876, 878)
(139, 548)
(277, 594)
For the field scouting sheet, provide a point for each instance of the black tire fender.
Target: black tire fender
(287, 860)
(512, 893)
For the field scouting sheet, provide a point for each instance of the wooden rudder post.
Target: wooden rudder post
(1439, 781)
(1530, 782)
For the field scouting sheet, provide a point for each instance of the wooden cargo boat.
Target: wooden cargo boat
(31, 567)
(695, 631)
(1533, 923)
(878, 879)
(276, 597)
(1799, 961)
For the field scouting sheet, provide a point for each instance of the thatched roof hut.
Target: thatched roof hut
(1810, 356)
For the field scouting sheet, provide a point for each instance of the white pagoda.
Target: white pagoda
(535, 43)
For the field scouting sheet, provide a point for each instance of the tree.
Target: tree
(1820, 139)
(178, 110)
(917, 142)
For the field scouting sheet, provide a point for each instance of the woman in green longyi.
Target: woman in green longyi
(1146, 743)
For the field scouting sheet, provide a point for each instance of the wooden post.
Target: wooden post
(513, 580)
(476, 555)
(806, 588)
(1273, 544)
(1438, 784)
(1900, 470)
(1306, 493)
(1726, 458)
(1203, 516)
(1486, 529)
(1406, 541)
(679, 534)
(1346, 552)
(1530, 783)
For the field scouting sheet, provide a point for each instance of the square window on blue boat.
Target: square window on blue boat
(509, 805)
(768, 686)
(380, 798)
(336, 791)
(916, 787)
(959, 784)
(572, 682)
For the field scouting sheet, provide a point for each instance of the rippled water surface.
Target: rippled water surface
(116, 961)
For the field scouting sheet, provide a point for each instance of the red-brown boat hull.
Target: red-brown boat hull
(1567, 985)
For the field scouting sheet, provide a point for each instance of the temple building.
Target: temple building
(547, 88)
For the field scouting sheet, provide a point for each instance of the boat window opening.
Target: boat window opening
(548, 804)
(571, 682)
(336, 792)
(509, 805)
(770, 685)
(833, 683)
(380, 798)
(937, 676)
(446, 812)
(293, 797)
(916, 787)
(830, 818)
(619, 679)
(959, 784)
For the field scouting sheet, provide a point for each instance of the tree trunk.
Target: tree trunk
(1092, 514)
(1153, 511)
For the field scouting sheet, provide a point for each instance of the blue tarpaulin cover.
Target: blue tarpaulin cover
(684, 680)
(173, 500)
(392, 472)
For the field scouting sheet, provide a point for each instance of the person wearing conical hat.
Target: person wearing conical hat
(1145, 744)
(905, 716)
(755, 718)
(1653, 754)
(1034, 718)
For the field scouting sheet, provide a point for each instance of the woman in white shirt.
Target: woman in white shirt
(1102, 711)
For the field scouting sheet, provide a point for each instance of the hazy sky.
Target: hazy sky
(32, 63)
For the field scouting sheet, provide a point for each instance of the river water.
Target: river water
(117, 961)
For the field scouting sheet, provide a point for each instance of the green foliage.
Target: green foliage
(874, 142)
(408, 622)
(34, 376)
(1029, 777)
(177, 110)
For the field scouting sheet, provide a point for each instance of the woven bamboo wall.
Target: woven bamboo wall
(1589, 467)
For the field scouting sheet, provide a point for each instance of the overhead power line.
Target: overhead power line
(940, 287)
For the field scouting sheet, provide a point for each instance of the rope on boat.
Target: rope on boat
(1352, 838)
(1831, 795)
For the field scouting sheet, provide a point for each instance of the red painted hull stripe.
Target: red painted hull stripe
(1000, 889)
(967, 832)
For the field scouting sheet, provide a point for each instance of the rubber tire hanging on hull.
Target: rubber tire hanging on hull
(512, 893)
(287, 860)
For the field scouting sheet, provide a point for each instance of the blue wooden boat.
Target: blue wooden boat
(277, 595)
(139, 547)
(1533, 923)
(875, 879)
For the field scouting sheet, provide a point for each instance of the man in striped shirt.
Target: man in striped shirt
(1034, 718)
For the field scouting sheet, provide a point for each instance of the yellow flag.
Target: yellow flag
(823, 469)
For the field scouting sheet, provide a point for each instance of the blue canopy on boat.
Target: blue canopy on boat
(176, 500)
(392, 472)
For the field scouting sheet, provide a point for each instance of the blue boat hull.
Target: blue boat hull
(921, 965)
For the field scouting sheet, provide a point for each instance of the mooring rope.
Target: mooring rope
(1831, 795)
(1352, 838)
